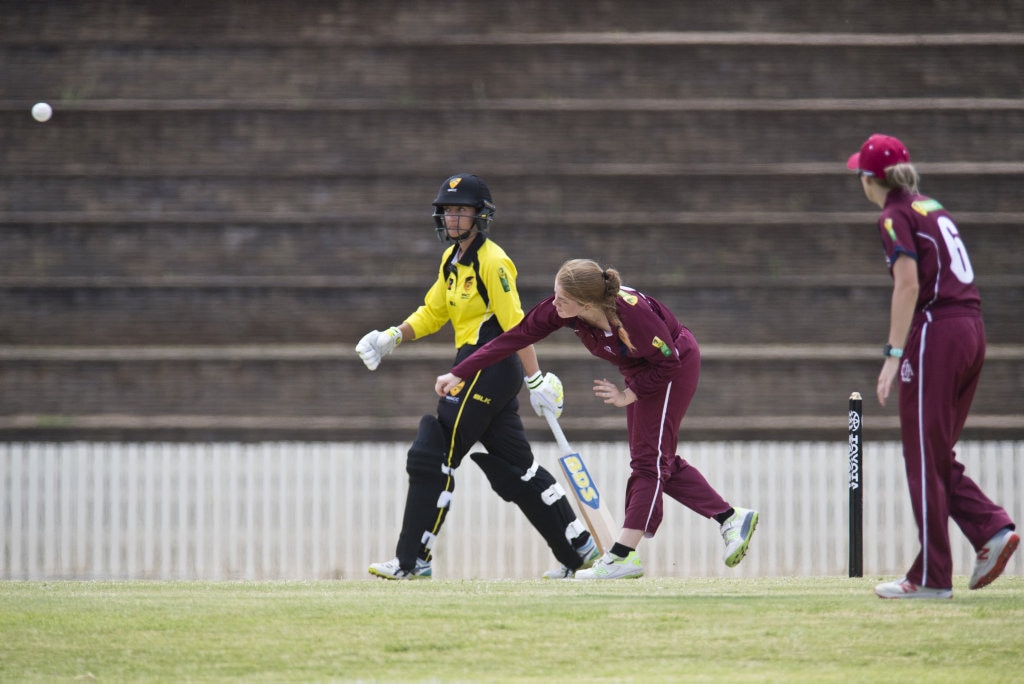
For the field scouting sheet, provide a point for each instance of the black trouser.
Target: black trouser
(484, 410)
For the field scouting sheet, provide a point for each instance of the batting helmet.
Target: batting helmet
(463, 190)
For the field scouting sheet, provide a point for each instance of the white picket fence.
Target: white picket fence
(327, 510)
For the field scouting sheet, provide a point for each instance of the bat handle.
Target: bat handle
(556, 430)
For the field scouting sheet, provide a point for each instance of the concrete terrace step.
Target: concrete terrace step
(329, 380)
(324, 310)
(396, 21)
(202, 428)
(101, 252)
(637, 67)
(352, 105)
(646, 192)
(434, 351)
(442, 137)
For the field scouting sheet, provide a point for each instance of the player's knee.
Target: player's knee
(504, 481)
(426, 457)
(538, 479)
(516, 485)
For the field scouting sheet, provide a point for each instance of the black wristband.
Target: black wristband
(889, 350)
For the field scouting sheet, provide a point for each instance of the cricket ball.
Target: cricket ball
(41, 111)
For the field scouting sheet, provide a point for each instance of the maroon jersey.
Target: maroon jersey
(651, 327)
(919, 227)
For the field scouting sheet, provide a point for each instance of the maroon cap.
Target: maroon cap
(878, 153)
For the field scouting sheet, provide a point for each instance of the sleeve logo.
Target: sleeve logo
(889, 230)
(661, 346)
(503, 277)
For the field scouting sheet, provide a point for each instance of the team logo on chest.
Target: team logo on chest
(467, 287)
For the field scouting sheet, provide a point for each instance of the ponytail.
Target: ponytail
(903, 176)
(585, 281)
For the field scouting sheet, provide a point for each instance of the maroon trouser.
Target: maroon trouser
(938, 377)
(653, 423)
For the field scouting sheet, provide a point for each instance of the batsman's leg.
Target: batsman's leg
(542, 500)
(431, 483)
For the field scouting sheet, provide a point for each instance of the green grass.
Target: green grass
(649, 630)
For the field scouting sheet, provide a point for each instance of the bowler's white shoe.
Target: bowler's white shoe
(905, 589)
(613, 567)
(737, 532)
(993, 557)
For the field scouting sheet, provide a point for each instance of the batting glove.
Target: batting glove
(546, 393)
(375, 345)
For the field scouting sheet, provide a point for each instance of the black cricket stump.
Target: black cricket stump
(856, 484)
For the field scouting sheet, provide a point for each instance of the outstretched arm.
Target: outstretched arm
(528, 357)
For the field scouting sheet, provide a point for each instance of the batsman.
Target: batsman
(475, 289)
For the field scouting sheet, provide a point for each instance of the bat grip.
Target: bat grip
(556, 430)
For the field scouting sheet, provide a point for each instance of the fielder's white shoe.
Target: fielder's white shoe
(588, 554)
(612, 567)
(393, 571)
(737, 532)
(993, 557)
(905, 589)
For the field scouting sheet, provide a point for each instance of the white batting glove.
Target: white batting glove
(375, 345)
(546, 393)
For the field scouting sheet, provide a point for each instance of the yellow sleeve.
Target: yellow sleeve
(433, 313)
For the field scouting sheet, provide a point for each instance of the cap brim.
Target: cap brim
(854, 161)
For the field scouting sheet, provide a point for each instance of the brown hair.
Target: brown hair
(902, 175)
(586, 282)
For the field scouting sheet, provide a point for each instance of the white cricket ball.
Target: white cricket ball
(42, 111)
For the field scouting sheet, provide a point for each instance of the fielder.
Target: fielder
(476, 290)
(936, 346)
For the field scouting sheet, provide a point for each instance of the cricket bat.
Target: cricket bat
(575, 475)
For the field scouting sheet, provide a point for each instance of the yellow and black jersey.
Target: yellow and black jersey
(477, 293)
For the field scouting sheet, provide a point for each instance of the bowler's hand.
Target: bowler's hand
(445, 383)
(611, 394)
